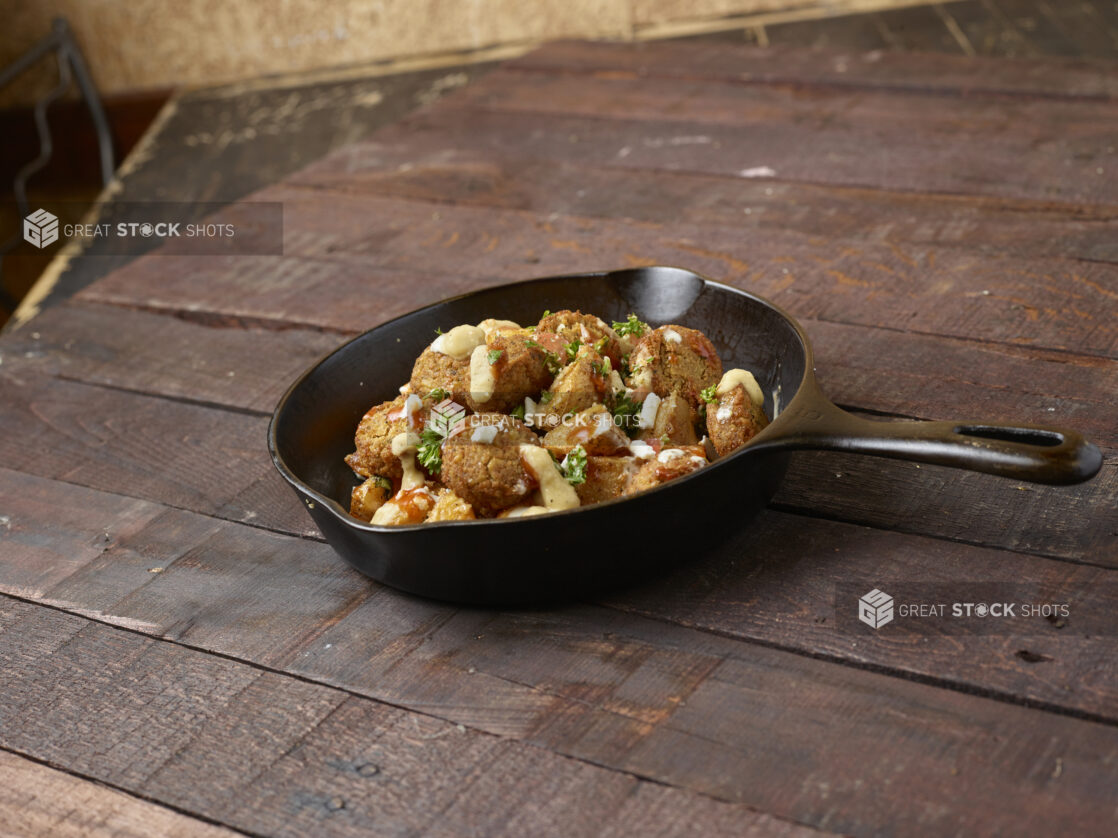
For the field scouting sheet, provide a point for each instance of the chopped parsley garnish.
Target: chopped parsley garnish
(429, 452)
(598, 367)
(574, 466)
(625, 365)
(572, 349)
(494, 355)
(545, 396)
(709, 394)
(438, 394)
(438, 331)
(631, 326)
(382, 483)
(546, 312)
(600, 345)
(625, 411)
(518, 412)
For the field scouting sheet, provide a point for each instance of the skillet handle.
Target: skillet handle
(1021, 452)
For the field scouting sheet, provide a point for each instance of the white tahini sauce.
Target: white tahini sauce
(672, 336)
(556, 492)
(403, 446)
(525, 511)
(641, 449)
(459, 342)
(412, 405)
(482, 380)
(493, 325)
(741, 378)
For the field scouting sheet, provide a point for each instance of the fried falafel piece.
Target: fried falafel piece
(516, 367)
(606, 478)
(370, 496)
(581, 384)
(733, 420)
(587, 329)
(674, 423)
(373, 439)
(674, 359)
(667, 465)
(481, 464)
(449, 507)
(594, 429)
(435, 371)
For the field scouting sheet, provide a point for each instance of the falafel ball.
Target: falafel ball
(518, 367)
(436, 371)
(374, 441)
(674, 359)
(481, 464)
(733, 420)
(588, 329)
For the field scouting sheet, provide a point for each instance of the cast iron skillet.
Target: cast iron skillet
(555, 556)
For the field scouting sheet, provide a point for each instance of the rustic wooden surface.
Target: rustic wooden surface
(177, 643)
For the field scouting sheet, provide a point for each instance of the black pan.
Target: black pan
(586, 550)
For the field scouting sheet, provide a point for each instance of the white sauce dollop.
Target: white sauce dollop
(672, 336)
(741, 378)
(459, 342)
(641, 449)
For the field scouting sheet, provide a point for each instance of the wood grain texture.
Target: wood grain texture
(434, 157)
(270, 754)
(395, 245)
(1041, 149)
(292, 604)
(914, 72)
(155, 703)
(36, 800)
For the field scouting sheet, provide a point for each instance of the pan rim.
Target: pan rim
(335, 508)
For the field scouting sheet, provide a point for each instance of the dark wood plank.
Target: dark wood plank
(1057, 304)
(716, 737)
(271, 754)
(154, 449)
(1022, 148)
(292, 604)
(437, 158)
(36, 800)
(208, 360)
(786, 63)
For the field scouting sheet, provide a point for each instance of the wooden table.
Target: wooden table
(181, 654)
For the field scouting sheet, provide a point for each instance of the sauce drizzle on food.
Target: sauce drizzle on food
(556, 492)
(741, 378)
